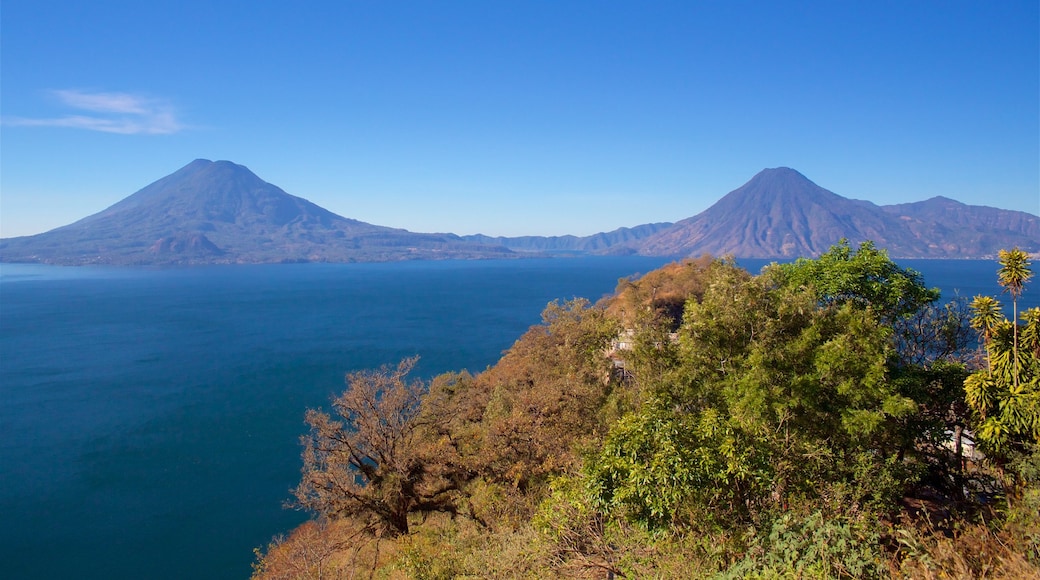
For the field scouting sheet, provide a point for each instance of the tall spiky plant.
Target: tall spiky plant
(1006, 398)
(1013, 274)
(986, 317)
(1031, 333)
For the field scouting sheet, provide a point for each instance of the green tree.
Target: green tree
(986, 316)
(866, 277)
(774, 392)
(1030, 338)
(1006, 396)
(930, 341)
(1013, 274)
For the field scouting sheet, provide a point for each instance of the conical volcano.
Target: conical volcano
(221, 212)
(213, 191)
(780, 213)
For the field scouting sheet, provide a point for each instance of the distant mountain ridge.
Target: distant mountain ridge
(972, 229)
(595, 243)
(213, 212)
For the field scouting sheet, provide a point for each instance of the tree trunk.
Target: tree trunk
(398, 522)
(958, 446)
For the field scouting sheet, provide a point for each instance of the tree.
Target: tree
(545, 394)
(1013, 274)
(374, 462)
(774, 392)
(985, 319)
(866, 277)
(1030, 338)
(1005, 398)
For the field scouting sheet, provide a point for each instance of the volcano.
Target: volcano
(220, 212)
(780, 213)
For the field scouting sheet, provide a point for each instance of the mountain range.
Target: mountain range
(780, 213)
(212, 212)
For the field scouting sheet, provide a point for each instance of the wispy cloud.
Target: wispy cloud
(122, 113)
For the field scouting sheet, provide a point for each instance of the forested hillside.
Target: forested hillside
(825, 418)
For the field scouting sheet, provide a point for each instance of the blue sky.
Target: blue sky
(513, 118)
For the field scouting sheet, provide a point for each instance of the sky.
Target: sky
(517, 118)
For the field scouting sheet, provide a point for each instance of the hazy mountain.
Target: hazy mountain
(958, 229)
(780, 213)
(220, 212)
(596, 243)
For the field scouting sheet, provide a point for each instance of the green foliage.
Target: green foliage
(584, 541)
(572, 528)
(458, 549)
(653, 462)
(433, 554)
(816, 546)
(986, 315)
(1014, 271)
(866, 277)
(1030, 336)
(1005, 397)
(771, 398)
(1024, 515)
(1013, 274)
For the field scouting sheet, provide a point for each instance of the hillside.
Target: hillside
(703, 422)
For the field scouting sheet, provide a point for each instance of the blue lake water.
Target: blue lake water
(149, 418)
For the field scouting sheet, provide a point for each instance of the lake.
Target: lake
(150, 418)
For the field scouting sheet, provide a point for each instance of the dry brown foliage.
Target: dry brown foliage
(969, 551)
(325, 550)
(544, 396)
(661, 293)
(374, 462)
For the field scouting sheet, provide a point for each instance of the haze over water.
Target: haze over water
(150, 417)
